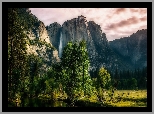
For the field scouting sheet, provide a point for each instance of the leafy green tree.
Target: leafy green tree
(55, 80)
(35, 76)
(103, 84)
(104, 79)
(75, 69)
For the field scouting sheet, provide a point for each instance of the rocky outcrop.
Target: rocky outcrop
(43, 35)
(39, 32)
(54, 34)
(78, 29)
(39, 44)
(75, 30)
(106, 56)
(101, 52)
(132, 49)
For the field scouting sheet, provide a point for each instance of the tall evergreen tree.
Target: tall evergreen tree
(17, 59)
(20, 20)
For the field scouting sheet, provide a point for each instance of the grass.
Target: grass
(121, 98)
(129, 98)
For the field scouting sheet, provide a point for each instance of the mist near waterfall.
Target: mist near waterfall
(60, 45)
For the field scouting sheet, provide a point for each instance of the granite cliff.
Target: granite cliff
(125, 53)
(39, 44)
(99, 50)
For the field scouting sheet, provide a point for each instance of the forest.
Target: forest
(67, 83)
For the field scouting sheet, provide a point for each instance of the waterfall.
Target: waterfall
(60, 45)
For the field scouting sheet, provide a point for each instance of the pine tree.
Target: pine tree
(20, 20)
(17, 59)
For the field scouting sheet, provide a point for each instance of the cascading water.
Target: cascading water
(60, 45)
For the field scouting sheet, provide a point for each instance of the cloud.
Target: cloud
(113, 21)
(134, 9)
(119, 10)
(143, 26)
(143, 18)
(122, 23)
(143, 10)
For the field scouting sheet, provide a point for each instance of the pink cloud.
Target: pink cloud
(119, 10)
(132, 20)
(113, 21)
(143, 18)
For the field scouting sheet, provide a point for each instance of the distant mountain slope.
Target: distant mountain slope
(132, 49)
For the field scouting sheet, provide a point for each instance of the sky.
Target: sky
(115, 22)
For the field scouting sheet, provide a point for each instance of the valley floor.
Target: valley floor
(121, 98)
(129, 98)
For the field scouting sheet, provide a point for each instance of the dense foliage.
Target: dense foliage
(128, 80)
(68, 79)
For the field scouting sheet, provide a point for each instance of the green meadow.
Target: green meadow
(129, 98)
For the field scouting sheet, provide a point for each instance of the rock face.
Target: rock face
(75, 30)
(39, 31)
(41, 46)
(78, 29)
(54, 34)
(43, 35)
(132, 49)
(106, 56)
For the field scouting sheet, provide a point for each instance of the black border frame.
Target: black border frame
(148, 5)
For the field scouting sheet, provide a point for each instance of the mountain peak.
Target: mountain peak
(81, 17)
